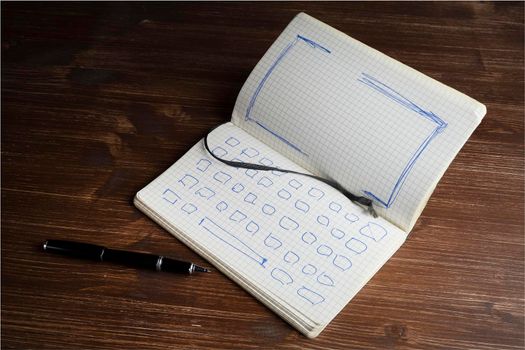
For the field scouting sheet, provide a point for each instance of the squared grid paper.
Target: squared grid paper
(295, 264)
(345, 129)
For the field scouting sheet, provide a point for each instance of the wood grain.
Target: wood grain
(99, 98)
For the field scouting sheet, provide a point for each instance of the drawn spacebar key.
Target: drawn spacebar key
(231, 240)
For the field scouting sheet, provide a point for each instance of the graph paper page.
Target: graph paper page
(344, 110)
(298, 240)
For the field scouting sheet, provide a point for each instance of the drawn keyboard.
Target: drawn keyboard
(290, 226)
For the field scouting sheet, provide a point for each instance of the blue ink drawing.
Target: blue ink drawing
(189, 208)
(351, 217)
(309, 295)
(222, 206)
(374, 231)
(288, 223)
(302, 206)
(250, 152)
(237, 216)
(290, 257)
(232, 142)
(309, 238)
(284, 194)
(272, 242)
(395, 96)
(268, 209)
(316, 193)
(231, 240)
(281, 276)
(222, 177)
(219, 151)
(342, 262)
(279, 59)
(265, 161)
(250, 198)
(238, 187)
(323, 220)
(265, 182)
(335, 207)
(325, 280)
(252, 228)
(205, 192)
(203, 165)
(295, 184)
(251, 173)
(356, 245)
(324, 250)
(337, 233)
(170, 196)
(188, 180)
(309, 269)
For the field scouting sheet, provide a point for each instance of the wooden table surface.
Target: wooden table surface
(99, 98)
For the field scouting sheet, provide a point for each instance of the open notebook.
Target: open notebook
(324, 103)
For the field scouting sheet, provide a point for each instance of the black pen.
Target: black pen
(132, 259)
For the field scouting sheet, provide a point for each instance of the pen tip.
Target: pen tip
(201, 269)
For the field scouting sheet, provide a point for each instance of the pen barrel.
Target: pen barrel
(147, 261)
(74, 249)
(176, 266)
(132, 259)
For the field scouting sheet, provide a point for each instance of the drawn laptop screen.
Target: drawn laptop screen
(343, 110)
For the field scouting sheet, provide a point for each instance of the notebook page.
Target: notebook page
(300, 242)
(344, 110)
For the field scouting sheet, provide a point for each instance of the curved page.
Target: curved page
(344, 110)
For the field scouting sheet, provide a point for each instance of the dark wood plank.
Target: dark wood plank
(99, 98)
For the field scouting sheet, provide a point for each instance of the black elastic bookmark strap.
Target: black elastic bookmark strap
(357, 199)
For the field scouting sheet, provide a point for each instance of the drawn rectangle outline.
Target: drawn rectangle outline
(372, 83)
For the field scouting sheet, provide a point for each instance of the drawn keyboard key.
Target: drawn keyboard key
(170, 196)
(222, 177)
(324, 250)
(309, 269)
(188, 181)
(252, 228)
(302, 206)
(295, 184)
(288, 223)
(268, 209)
(291, 257)
(284, 194)
(265, 182)
(189, 208)
(325, 280)
(356, 245)
(374, 231)
(309, 295)
(203, 165)
(316, 193)
(205, 192)
(219, 152)
(250, 152)
(281, 276)
(342, 262)
(272, 242)
(232, 142)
